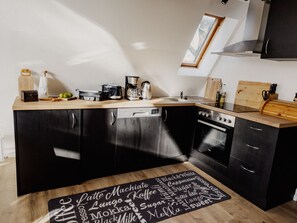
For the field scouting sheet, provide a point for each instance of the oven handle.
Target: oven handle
(213, 126)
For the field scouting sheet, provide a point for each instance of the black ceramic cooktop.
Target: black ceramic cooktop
(233, 107)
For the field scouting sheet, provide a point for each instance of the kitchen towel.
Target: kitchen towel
(150, 200)
(42, 87)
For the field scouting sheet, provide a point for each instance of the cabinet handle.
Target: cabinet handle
(253, 147)
(246, 169)
(166, 115)
(266, 46)
(257, 129)
(113, 118)
(73, 120)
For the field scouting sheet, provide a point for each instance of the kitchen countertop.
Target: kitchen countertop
(155, 102)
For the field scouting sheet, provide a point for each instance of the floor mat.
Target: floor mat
(149, 200)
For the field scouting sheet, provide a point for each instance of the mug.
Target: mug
(265, 94)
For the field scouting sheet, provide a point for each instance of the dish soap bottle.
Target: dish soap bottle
(42, 88)
(25, 81)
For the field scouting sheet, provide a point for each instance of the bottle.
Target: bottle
(222, 99)
(295, 99)
(218, 96)
(25, 81)
(42, 88)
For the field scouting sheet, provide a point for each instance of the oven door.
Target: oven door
(213, 140)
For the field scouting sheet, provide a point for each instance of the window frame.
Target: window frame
(214, 30)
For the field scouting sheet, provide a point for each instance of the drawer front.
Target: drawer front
(254, 143)
(255, 133)
(261, 157)
(247, 177)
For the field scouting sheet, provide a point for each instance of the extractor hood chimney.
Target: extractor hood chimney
(251, 45)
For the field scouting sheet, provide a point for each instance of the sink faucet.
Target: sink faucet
(181, 95)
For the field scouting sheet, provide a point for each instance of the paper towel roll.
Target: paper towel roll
(42, 89)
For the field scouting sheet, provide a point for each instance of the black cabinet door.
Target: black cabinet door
(281, 31)
(137, 143)
(47, 149)
(98, 142)
(177, 132)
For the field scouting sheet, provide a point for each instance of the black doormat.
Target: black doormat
(150, 200)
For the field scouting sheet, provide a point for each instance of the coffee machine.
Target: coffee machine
(131, 89)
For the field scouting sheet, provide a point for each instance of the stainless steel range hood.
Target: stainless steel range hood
(251, 46)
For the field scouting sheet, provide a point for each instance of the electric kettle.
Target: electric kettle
(146, 92)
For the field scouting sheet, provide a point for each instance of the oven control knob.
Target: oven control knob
(229, 121)
(207, 115)
(219, 118)
(224, 120)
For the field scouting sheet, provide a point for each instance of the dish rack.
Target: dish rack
(279, 108)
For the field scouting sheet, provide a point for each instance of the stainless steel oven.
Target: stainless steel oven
(213, 136)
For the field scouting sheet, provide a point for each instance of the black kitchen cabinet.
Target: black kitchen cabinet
(137, 141)
(98, 142)
(177, 129)
(281, 31)
(47, 149)
(263, 163)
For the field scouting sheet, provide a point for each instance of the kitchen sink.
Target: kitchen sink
(175, 99)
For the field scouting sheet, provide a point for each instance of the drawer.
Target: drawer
(254, 133)
(254, 143)
(246, 177)
(260, 156)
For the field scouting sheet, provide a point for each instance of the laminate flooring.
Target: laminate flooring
(33, 207)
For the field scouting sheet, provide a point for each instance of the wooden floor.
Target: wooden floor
(33, 207)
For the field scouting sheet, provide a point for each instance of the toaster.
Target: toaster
(114, 91)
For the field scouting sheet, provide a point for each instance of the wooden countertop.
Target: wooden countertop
(155, 102)
(256, 117)
(82, 104)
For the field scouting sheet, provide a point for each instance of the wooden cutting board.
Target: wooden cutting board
(212, 85)
(249, 93)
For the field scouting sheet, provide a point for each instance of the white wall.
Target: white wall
(84, 44)
(233, 69)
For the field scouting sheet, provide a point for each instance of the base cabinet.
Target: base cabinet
(56, 148)
(177, 130)
(98, 142)
(263, 163)
(137, 141)
(47, 149)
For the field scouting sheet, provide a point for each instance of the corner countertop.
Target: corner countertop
(276, 122)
